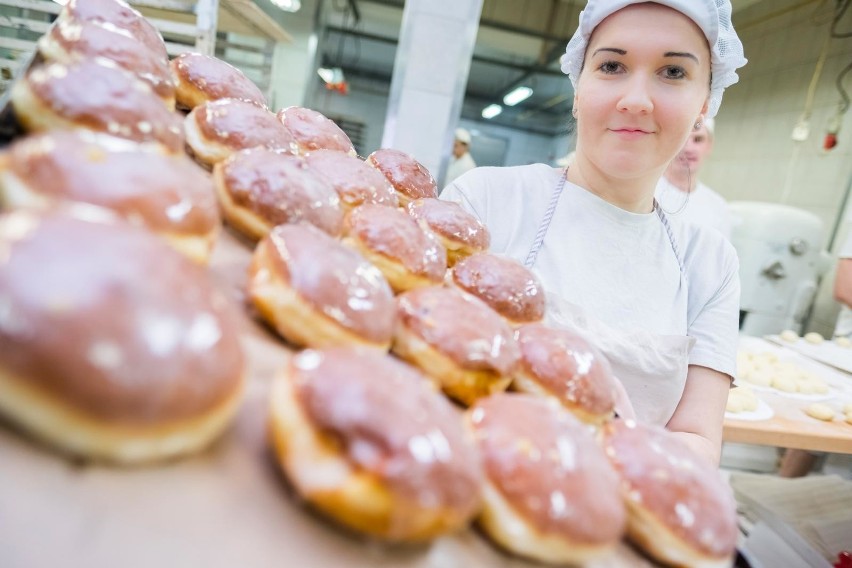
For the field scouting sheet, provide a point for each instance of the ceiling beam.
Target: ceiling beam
(534, 68)
(486, 22)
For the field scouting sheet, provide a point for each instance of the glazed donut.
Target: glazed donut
(96, 95)
(114, 346)
(504, 284)
(118, 14)
(356, 182)
(461, 233)
(167, 193)
(408, 256)
(407, 176)
(559, 363)
(680, 511)
(314, 131)
(217, 129)
(203, 78)
(317, 292)
(550, 493)
(259, 189)
(71, 41)
(366, 440)
(456, 339)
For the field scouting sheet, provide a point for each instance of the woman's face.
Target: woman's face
(645, 82)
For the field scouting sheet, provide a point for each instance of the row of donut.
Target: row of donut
(165, 378)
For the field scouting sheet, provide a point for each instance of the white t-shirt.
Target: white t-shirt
(844, 318)
(617, 265)
(703, 206)
(460, 166)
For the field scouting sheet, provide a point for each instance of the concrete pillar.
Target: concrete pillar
(293, 64)
(429, 78)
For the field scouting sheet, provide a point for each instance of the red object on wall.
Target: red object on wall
(828, 143)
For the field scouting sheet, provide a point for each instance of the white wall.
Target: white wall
(754, 156)
(291, 62)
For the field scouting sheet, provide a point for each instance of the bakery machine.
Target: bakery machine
(781, 262)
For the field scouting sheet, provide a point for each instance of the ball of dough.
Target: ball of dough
(741, 399)
(789, 335)
(785, 383)
(843, 342)
(760, 376)
(847, 408)
(820, 411)
(735, 404)
(814, 337)
(849, 418)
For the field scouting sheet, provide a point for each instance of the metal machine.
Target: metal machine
(781, 262)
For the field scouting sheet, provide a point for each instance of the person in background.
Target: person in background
(659, 299)
(798, 463)
(683, 196)
(462, 161)
(843, 289)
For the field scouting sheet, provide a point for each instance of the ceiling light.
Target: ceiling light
(517, 95)
(288, 5)
(491, 111)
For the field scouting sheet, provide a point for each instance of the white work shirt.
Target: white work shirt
(460, 166)
(702, 206)
(843, 328)
(619, 266)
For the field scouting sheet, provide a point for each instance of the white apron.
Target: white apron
(652, 367)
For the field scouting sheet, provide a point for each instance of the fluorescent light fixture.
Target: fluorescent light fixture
(288, 5)
(491, 111)
(61, 2)
(517, 95)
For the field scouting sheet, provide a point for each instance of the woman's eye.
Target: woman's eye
(674, 72)
(610, 67)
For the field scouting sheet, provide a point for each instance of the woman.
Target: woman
(660, 299)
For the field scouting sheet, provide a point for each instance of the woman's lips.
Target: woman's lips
(629, 133)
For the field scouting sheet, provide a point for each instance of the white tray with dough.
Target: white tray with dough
(832, 352)
(762, 412)
(771, 367)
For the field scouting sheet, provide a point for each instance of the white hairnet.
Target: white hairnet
(462, 136)
(712, 16)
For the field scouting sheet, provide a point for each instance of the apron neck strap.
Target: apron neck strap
(545, 221)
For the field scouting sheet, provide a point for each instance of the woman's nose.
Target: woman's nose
(636, 97)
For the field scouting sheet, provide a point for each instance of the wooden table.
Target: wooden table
(227, 507)
(790, 427)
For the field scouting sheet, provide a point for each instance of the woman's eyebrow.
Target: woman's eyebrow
(613, 49)
(680, 54)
